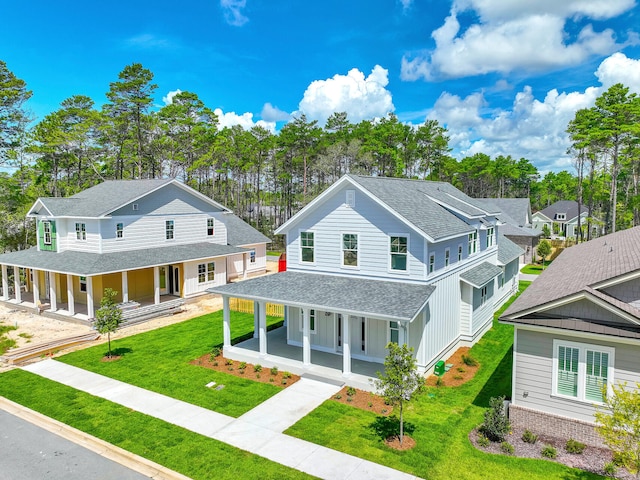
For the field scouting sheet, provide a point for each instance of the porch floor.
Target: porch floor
(289, 357)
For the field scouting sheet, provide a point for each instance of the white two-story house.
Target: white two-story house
(150, 240)
(374, 260)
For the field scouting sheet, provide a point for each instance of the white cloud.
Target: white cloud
(233, 12)
(245, 120)
(513, 35)
(168, 98)
(618, 68)
(273, 114)
(362, 98)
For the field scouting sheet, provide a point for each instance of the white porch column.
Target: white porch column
(36, 290)
(91, 313)
(402, 333)
(71, 303)
(263, 329)
(53, 291)
(226, 322)
(306, 340)
(244, 265)
(5, 283)
(256, 319)
(125, 287)
(346, 345)
(156, 285)
(16, 284)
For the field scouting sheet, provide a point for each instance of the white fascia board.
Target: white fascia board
(38, 203)
(616, 280)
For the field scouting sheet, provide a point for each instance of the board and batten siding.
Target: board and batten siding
(371, 223)
(191, 284)
(235, 262)
(533, 359)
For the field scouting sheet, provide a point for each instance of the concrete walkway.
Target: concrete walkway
(258, 431)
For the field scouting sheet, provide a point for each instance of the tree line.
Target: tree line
(266, 177)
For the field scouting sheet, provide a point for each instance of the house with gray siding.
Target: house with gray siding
(576, 333)
(561, 218)
(373, 260)
(149, 240)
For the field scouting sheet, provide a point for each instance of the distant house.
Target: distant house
(561, 218)
(150, 240)
(577, 330)
(516, 223)
(373, 260)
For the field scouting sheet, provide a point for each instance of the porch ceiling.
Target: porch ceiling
(88, 264)
(396, 301)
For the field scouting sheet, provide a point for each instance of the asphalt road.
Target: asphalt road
(28, 452)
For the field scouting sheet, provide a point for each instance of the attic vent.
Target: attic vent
(351, 198)
(135, 206)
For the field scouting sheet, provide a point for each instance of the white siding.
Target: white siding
(66, 230)
(235, 262)
(191, 285)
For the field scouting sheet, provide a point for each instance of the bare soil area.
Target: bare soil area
(257, 373)
(363, 400)
(459, 373)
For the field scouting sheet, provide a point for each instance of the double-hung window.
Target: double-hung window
(432, 262)
(447, 257)
(472, 243)
(490, 236)
(210, 227)
(252, 256)
(119, 230)
(394, 332)
(206, 272)
(459, 252)
(349, 250)
(81, 231)
(582, 371)
(483, 295)
(307, 247)
(168, 229)
(398, 252)
(46, 228)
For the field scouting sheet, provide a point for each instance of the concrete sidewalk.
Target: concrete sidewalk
(258, 431)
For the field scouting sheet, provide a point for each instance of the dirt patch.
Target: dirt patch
(591, 460)
(257, 373)
(394, 442)
(112, 358)
(364, 400)
(459, 373)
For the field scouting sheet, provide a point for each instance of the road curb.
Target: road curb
(96, 445)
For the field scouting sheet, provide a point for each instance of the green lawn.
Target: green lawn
(191, 454)
(159, 361)
(534, 268)
(440, 420)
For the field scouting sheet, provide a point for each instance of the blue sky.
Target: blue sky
(504, 76)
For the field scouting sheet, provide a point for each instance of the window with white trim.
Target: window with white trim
(432, 262)
(81, 231)
(307, 247)
(459, 252)
(398, 253)
(210, 227)
(119, 230)
(394, 332)
(206, 272)
(447, 257)
(83, 284)
(472, 243)
(582, 371)
(483, 295)
(46, 228)
(312, 320)
(490, 236)
(168, 229)
(349, 250)
(252, 256)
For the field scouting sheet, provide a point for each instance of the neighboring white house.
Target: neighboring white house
(577, 330)
(143, 238)
(561, 218)
(373, 260)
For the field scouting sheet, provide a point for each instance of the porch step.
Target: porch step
(319, 378)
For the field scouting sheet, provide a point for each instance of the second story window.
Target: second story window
(46, 228)
(490, 236)
(81, 231)
(307, 247)
(473, 243)
(459, 252)
(168, 229)
(349, 250)
(398, 252)
(432, 262)
(119, 230)
(447, 257)
(210, 229)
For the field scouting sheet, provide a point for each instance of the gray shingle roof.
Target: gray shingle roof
(568, 207)
(579, 325)
(515, 209)
(481, 274)
(413, 200)
(355, 296)
(507, 250)
(88, 264)
(514, 231)
(240, 232)
(583, 265)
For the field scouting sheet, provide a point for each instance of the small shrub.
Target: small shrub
(469, 361)
(370, 404)
(351, 391)
(507, 448)
(483, 441)
(257, 375)
(573, 446)
(228, 361)
(529, 437)
(216, 351)
(439, 382)
(349, 399)
(284, 382)
(274, 370)
(257, 368)
(610, 469)
(496, 424)
(271, 379)
(212, 358)
(215, 363)
(457, 377)
(231, 369)
(461, 370)
(242, 365)
(618, 459)
(338, 396)
(286, 374)
(549, 452)
(384, 410)
(241, 370)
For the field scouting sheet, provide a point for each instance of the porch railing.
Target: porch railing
(246, 306)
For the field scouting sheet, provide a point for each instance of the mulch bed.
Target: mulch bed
(458, 374)
(394, 442)
(592, 459)
(364, 400)
(112, 358)
(232, 367)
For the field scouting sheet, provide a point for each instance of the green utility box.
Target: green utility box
(438, 369)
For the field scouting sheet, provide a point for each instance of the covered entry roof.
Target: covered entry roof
(396, 301)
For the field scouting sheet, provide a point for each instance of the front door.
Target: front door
(176, 281)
